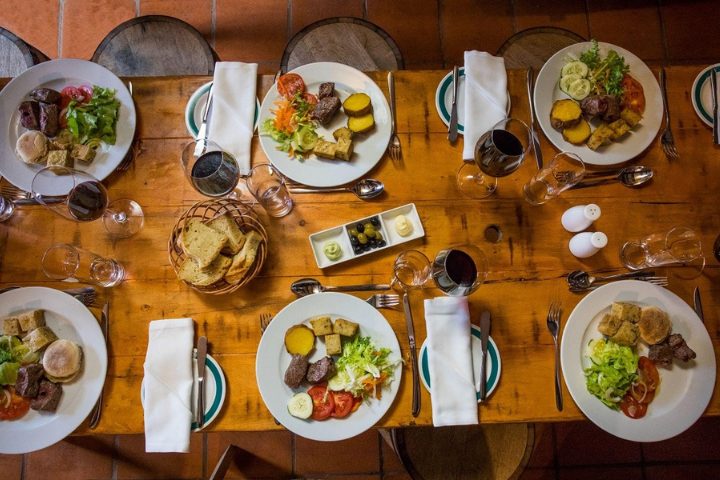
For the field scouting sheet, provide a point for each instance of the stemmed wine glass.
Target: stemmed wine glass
(459, 270)
(498, 153)
(78, 196)
(210, 170)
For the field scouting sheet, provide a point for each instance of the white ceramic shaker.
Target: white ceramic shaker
(587, 244)
(580, 217)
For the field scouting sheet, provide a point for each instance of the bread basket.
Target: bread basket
(206, 210)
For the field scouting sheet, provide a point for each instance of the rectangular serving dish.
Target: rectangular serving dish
(340, 235)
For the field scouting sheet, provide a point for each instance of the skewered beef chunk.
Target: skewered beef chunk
(49, 119)
(321, 370)
(28, 380)
(607, 107)
(29, 113)
(45, 95)
(326, 89)
(661, 354)
(325, 109)
(613, 109)
(681, 351)
(48, 396)
(295, 373)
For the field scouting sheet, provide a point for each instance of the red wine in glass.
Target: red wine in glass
(87, 201)
(215, 174)
(455, 272)
(499, 153)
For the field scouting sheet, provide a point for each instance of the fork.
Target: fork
(394, 148)
(553, 325)
(384, 300)
(13, 192)
(659, 281)
(667, 140)
(265, 319)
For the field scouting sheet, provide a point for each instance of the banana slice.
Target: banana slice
(566, 80)
(577, 67)
(300, 405)
(579, 89)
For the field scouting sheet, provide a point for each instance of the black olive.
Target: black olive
(354, 241)
(357, 249)
(375, 222)
(382, 243)
(359, 227)
(366, 247)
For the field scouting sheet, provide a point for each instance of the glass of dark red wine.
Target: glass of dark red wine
(78, 196)
(210, 170)
(459, 270)
(498, 153)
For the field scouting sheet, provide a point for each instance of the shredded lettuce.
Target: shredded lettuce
(612, 372)
(13, 353)
(360, 361)
(304, 135)
(96, 119)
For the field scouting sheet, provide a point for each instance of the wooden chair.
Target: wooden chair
(534, 46)
(347, 40)
(155, 45)
(477, 452)
(16, 55)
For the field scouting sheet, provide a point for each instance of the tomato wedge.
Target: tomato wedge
(290, 84)
(633, 95)
(16, 408)
(344, 403)
(310, 98)
(357, 401)
(648, 373)
(323, 402)
(632, 408)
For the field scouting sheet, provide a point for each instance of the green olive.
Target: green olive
(362, 238)
(370, 232)
(378, 236)
(368, 225)
(354, 232)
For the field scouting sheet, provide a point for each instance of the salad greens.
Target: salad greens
(612, 372)
(95, 119)
(291, 126)
(362, 368)
(606, 73)
(13, 353)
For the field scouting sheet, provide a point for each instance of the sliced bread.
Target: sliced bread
(192, 273)
(201, 242)
(237, 270)
(227, 226)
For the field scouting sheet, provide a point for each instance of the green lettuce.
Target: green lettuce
(361, 360)
(96, 119)
(612, 371)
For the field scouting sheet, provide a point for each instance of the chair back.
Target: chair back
(534, 46)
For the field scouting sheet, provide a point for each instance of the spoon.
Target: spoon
(365, 189)
(580, 280)
(308, 286)
(629, 176)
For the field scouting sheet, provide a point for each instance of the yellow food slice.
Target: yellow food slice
(578, 133)
(357, 105)
(299, 340)
(361, 124)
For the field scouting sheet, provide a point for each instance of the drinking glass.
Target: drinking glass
(267, 185)
(679, 246)
(564, 171)
(78, 196)
(74, 264)
(498, 153)
(459, 270)
(7, 208)
(410, 270)
(210, 170)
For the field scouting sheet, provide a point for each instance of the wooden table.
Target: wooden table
(526, 267)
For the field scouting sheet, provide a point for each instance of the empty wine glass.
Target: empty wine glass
(410, 270)
(7, 208)
(498, 153)
(210, 170)
(78, 196)
(680, 246)
(71, 263)
(459, 270)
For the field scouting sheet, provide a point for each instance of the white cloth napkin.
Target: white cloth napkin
(232, 114)
(452, 387)
(485, 96)
(168, 386)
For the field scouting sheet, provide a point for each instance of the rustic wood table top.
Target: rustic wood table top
(527, 267)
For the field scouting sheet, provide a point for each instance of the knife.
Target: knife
(200, 359)
(453, 127)
(698, 304)
(97, 410)
(536, 142)
(715, 124)
(202, 131)
(485, 324)
(413, 355)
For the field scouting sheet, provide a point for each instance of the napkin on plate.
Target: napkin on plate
(168, 386)
(452, 387)
(232, 115)
(485, 96)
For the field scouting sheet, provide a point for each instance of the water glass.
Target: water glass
(210, 170)
(460, 270)
(267, 185)
(410, 270)
(74, 264)
(7, 207)
(678, 246)
(564, 171)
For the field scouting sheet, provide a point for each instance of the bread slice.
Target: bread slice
(237, 270)
(201, 242)
(192, 273)
(252, 242)
(227, 226)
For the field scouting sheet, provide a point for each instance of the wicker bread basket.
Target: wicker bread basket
(206, 210)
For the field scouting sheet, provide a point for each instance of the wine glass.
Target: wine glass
(459, 270)
(78, 196)
(210, 170)
(498, 153)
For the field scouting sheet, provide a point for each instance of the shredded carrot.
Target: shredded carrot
(373, 385)
(284, 116)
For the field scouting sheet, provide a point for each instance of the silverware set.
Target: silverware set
(553, 324)
(364, 189)
(394, 148)
(580, 281)
(308, 286)
(667, 140)
(631, 177)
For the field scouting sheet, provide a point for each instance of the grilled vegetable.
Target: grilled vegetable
(361, 124)
(564, 114)
(578, 133)
(299, 340)
(357, 105)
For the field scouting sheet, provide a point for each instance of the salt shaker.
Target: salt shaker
(580, 217)
(587, 244)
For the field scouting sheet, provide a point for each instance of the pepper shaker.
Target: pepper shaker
(587, 244)
(580, 217)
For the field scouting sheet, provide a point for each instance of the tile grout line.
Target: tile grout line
(514, 16)
(213, 23)
(663, 34)
(116, 448)
(61, 11)
(441, 37)
(137, 8)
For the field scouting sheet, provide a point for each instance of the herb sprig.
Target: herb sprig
(607, 73)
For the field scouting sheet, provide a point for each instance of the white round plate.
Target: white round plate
(492, 372)
(702, 96)
(57, 74)
(685, 389)
(69, 319)
(369, 147)
(273, 360)
(547, 91)
(195, 106)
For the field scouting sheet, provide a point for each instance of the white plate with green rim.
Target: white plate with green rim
(443, 99)
(702, 95)
(195, 106)
(492, 372)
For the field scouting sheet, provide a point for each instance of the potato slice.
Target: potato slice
(357, 105)
(578, 133)
(565, 113)
(361, 124)
(299, 340)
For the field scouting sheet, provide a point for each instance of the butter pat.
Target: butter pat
(403, 226)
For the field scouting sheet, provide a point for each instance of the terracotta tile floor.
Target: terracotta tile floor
(431, 34)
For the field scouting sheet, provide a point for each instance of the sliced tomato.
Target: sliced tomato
(632, 408)
(16, 408)
(633, 95)
(290, 84)
(87, 92)
(344, 403)
(310, 98)
(323, 402)
(648, 373)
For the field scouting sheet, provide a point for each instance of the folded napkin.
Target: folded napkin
(168, 386)
(485, 96)
(232, 116)
(452, 387)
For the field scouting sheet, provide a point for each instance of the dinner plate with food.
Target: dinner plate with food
(599, 101)
(638, 361)
(324, 124)
(53, 361)
(328, 366)
(65, 112)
